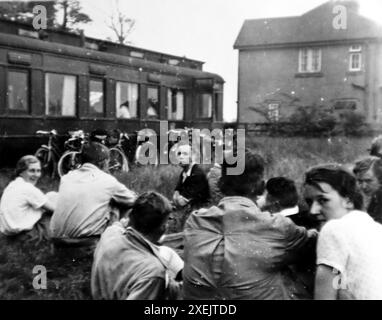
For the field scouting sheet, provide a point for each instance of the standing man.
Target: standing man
(85, 197)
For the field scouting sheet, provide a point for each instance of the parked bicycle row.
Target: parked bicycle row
(62, 153)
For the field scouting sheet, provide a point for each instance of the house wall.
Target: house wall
(270, 74)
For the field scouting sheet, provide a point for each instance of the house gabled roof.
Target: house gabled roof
(314, 26)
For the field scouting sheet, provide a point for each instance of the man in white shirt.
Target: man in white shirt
(84, 199)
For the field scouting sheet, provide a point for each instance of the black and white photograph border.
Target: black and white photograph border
(190, 150)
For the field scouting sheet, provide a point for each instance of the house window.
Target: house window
(355, 58)
(60, 94)
(274, 111)
(127, 100)
(153, 100)
(309, 60)
(96, 97)
(18, 91)
(205, 105)
(175, 104)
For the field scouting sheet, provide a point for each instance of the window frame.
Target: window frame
(276, 110)
(28, 96)
(167, 102)
(200, 99)
(146, 116)
(94, 114)
(75, 115)
(138, 100)
(305, 58)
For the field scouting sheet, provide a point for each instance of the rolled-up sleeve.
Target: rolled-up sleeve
(123, 195)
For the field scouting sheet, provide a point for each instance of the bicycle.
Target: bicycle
(118, 160)
(71, 159)
(48, 154)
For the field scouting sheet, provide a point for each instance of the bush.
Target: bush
(313, 121)
(354, 123)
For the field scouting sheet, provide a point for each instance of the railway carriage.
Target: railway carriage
(64, 81)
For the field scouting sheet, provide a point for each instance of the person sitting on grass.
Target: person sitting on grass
(349, 256)
(192, 190)
(24, 208)
(368, 172)
(85, 199)
(235, 251)
(281, 198)
(128, 262)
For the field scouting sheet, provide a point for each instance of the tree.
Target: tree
(121, 25)
(72, 15)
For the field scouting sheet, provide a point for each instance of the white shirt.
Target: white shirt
(289, 211)
(83, 202)
(352, 245)
(20, 207)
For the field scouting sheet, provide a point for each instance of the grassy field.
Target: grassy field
(68, 279)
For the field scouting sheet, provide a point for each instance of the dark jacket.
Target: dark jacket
(195, 186)
(375, 206)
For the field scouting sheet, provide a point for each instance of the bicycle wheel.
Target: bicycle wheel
(70, 160)
(118, 161)
(48, 163)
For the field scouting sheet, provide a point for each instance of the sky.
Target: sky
(203, 30)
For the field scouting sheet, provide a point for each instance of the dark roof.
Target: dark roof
(314, 25)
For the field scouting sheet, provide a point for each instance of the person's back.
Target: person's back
(124, 267)
(247, 250)
(83, 204)
(128, 264)
(234, 251)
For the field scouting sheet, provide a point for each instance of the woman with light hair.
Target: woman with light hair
(23, 206)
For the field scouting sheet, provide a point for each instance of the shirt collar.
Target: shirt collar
(188, 172)
(239, 200)
(289, 211)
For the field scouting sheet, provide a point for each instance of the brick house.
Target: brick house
(310, 61)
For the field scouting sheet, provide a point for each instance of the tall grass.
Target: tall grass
(70, 279)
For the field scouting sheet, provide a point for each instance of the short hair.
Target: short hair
(369, 163)
(24, 163)
(149, 212)
(94, 153)
(248, 183)
(339, 178)
(283, 190)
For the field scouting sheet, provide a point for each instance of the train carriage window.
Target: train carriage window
(175, 104)
(18, 91)
(153, 103)
(126, 100)
(60, 94)
(205, 105)
(96, 97)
